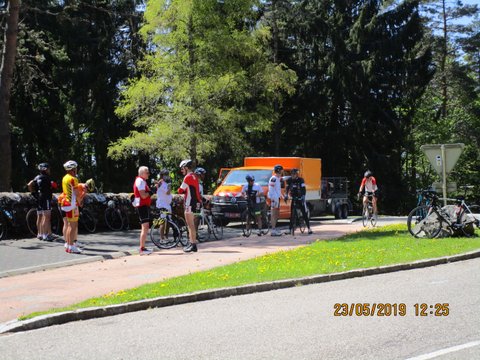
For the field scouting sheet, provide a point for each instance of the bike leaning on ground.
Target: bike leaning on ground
(437, 218)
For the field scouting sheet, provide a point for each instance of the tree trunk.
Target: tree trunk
(444, 61)
(6, 75)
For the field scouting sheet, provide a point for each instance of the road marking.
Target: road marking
(445, 351)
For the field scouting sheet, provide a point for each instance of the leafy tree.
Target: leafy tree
(206, 83)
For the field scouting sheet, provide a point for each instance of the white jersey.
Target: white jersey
(275, 187)
(163, 199)
(255, 190)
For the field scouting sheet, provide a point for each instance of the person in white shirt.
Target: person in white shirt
(254, 194)
(274, 194)
(164, 191)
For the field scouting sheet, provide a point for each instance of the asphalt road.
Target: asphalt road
(295, 323)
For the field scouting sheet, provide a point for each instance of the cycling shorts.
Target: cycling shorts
(43, 204)
(143, 214)
(72, 215)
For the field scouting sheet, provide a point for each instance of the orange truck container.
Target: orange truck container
(227, 198)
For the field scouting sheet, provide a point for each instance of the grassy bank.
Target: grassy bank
(382, 246)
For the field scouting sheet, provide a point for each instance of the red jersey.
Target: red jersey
(140, 184)
(190, 190)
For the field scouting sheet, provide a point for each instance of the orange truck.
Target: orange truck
(228, 200)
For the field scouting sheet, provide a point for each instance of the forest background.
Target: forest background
(122, 83)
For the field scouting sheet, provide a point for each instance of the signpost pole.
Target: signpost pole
(444, 175)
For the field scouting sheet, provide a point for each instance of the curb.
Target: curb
(113, 255)
(98, 312)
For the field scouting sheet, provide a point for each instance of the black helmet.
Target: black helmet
(186, 163)
(294, 171)
(250, 177)
(367, 174)
(278, 168)
(163, 172)
(43, 166)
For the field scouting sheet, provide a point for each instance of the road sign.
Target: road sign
(443, 158)
(443, 162)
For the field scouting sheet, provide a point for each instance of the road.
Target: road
(294, 323)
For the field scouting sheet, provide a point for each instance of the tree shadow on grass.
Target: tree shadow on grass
(375, 234)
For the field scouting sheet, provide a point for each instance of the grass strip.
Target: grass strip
(370, 248)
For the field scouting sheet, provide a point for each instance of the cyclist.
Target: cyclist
(274, 194)
(200, 172)
(193, 201)
(164, 195)
(141, 202)
(368, 187)
(296, 189)
(42, 187)
(254, 195)
(69, 205)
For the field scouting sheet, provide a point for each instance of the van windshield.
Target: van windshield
(237, 177)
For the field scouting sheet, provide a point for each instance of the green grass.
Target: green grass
(381, 246)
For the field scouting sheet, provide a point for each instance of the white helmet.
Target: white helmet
(186, 163)
(70, 165)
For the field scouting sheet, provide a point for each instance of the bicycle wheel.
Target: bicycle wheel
(365, 215)
(266, 223)
(3, 226)
(87, 220)
(126, 221)
(182, 226)
(301, 221)
(31, 219)
(56, 222)
(114, 219)
(216, 227)
(373, 218)
(247, 223)
(169, 238)
(422, 224)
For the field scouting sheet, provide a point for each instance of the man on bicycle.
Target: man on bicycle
(254, 195)
(368, 187)
(297, 190)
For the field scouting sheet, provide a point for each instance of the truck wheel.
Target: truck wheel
(344, 211)
(338, 212)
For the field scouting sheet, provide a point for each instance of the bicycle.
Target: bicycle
(249, 219)
(8, 219)
(87, 220)
(168, 231)
(296, 217)
(116, 217)
(56, 221)
(432, 224)
(209, 223)
(368, 216)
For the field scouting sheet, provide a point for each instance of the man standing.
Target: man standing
(193, 202)
(69, 205)
(297, 190)
(274, 194)
(42, 186)
(142, 202)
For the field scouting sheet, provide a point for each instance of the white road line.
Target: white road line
(445, 351)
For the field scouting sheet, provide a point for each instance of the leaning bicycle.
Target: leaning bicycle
(116, 216)
(167, 231)
(209, 224)
(438, 218)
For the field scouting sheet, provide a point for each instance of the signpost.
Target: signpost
(443, 158)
